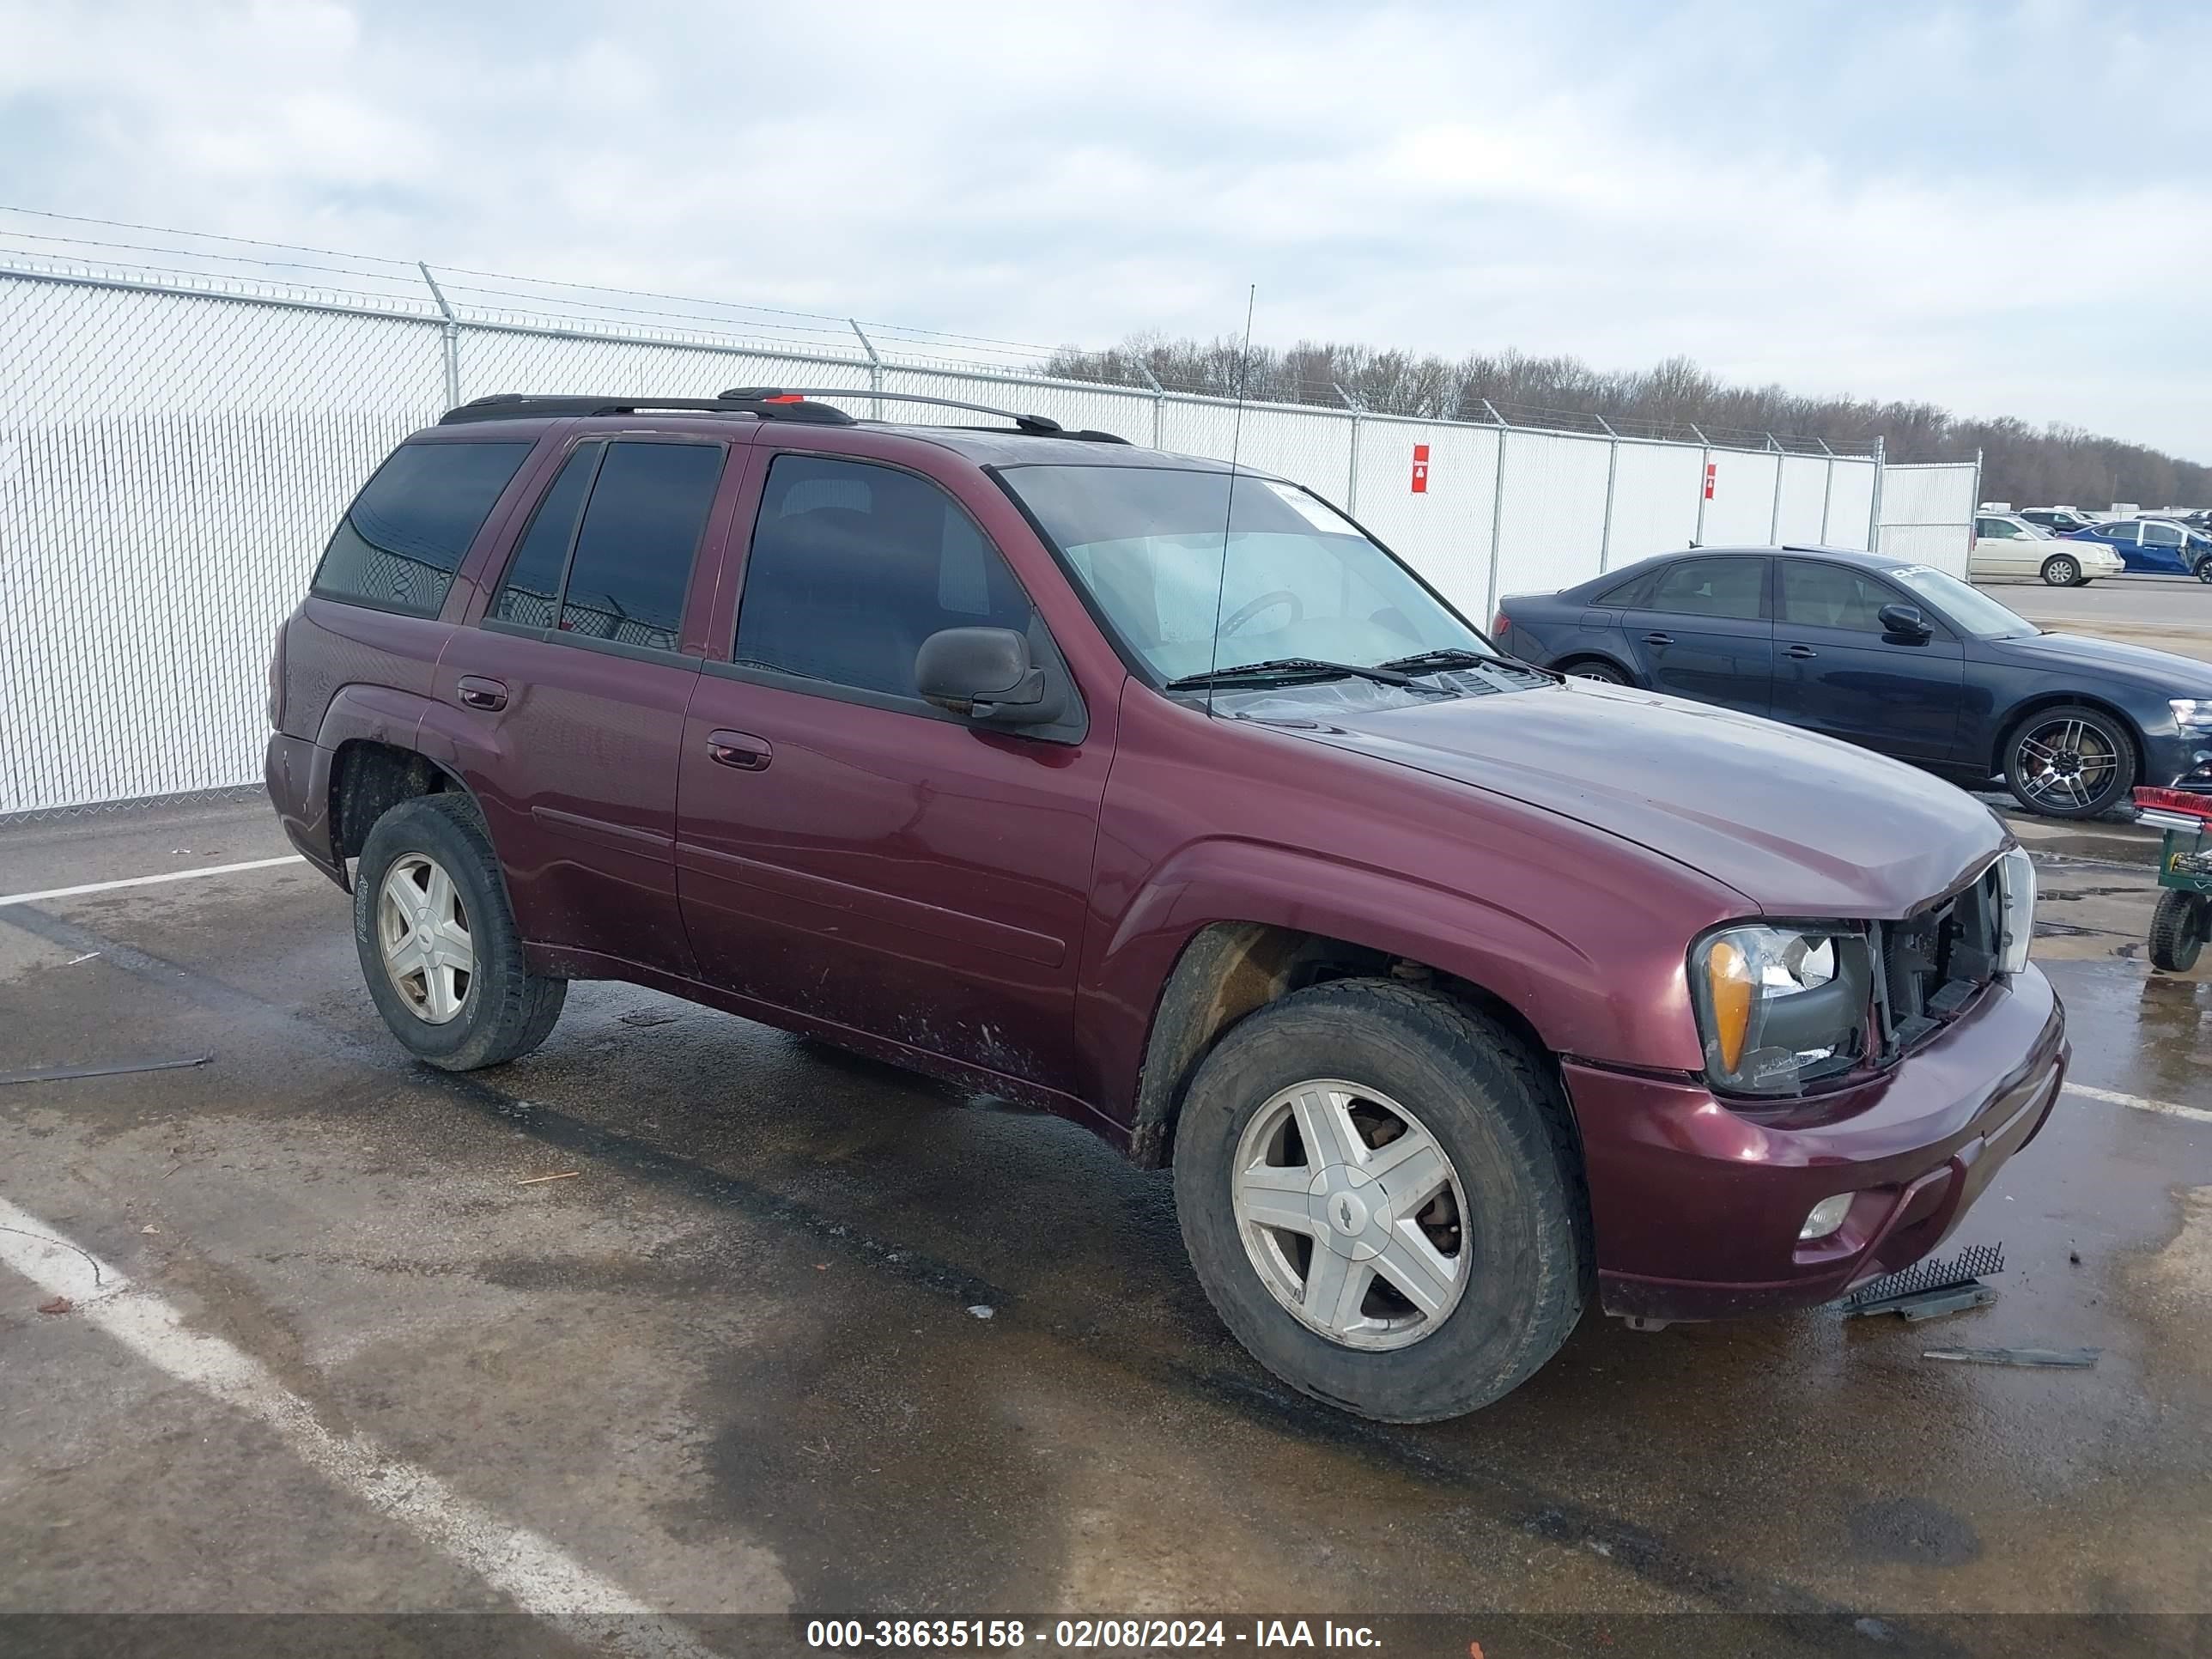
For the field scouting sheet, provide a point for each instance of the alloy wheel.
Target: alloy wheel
(2062, 573)
(1351, 1214)
(422, 933)
(2066, 763)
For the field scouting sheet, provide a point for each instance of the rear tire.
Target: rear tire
(2177, 928)
(2063, 570)
(457, 1019)
(1594, 668)
(1516, 1230)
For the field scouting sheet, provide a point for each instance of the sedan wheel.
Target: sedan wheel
(1351, 1214)
(2061, 570)
(423, 933)
(1603, 673)
(2071, 763)
(2204, 568)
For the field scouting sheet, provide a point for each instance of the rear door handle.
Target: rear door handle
(1658, 639)
(476, 692)
(740, 750)
(1800, 651)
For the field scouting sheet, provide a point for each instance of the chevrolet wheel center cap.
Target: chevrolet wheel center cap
(1352, 1208)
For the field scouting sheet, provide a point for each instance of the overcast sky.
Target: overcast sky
(2006, 209)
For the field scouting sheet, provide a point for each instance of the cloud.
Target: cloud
(1993, 207)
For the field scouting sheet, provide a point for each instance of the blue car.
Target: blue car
(1893, 656)
(2161, 546)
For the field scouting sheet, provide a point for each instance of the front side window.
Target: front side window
(853, 565)
(1830, 596)
(1195, 574)
(621, 572)
(2162, 535)
(1711, 587)
(407, 531)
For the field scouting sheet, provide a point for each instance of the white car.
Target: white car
(2006, 544)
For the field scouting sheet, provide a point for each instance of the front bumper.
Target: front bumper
(1697, 1205)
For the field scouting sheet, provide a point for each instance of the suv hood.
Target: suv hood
(2158, 671)
(1800, 825)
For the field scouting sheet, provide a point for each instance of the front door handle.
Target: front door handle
(476, 692)
(740, 750)
(1800, 651)
(1658, 639)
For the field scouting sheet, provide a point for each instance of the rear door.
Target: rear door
(571, 695)
(1838, 673)
(2124, 539)
(846, 850)
(1700, 630)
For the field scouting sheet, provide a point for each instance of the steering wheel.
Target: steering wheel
(1280, 596)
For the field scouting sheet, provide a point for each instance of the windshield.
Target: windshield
(1301, 581)
(1969, 608)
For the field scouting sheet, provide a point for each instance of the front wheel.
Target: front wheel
(2177, 930)
(1381, 1196)
(2203, 572)
(2071, 761)
(438, 943)
(2061, 570)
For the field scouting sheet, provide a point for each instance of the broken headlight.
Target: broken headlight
(1781, 1008)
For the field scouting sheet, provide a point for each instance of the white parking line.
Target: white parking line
(2163, 1108)
(539, 1578)
(148, 881)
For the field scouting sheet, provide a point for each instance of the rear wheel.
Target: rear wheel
(1594, 668)
(2177, 930)
(2071, 761)
(437, 941)
(2061, 570)
(1381, 1196)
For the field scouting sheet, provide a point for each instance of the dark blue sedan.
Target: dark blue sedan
(1893, 656)
(2161, 546)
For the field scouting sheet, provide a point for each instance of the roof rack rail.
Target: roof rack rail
(766, 405)
(1042, 425)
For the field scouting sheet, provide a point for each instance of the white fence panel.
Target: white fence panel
(1803, 514)
(549, 364)
(1851, 504)
(1125, 414)
(1308, 447)
(1928, 513)
(1655, 501)
(1551, 526)
(1741, 511)
(1443, 531)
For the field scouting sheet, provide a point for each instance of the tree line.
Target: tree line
(2024, 464)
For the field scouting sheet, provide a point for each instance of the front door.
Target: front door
(1702, 632)
(847, 851)
(1837, 672)
(572, 691)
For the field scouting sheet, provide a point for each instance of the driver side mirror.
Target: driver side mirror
(985, 674)
(1902, 622)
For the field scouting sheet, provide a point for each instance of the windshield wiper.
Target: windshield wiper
(1452, 656)
(1302, 667)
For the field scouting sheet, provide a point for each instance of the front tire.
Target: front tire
(437, 940)
(2070, 761)
(1289, 1191)
(2061, 570)
(2204, 571)
(2177, 929)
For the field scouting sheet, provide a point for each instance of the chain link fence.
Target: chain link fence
(175, 447)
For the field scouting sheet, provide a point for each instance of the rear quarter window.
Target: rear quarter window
(405, 534)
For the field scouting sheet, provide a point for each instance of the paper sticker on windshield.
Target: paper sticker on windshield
(1324, 518)
(1913, 570)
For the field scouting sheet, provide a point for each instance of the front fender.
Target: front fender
(1594, 972)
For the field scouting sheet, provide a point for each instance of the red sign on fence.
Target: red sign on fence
(1420, 469)
(1709, 468)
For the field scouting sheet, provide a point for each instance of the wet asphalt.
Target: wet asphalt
(734, 1362)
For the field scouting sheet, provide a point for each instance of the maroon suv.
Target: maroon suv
(1158, 795)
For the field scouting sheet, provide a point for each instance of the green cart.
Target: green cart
(2183, 921)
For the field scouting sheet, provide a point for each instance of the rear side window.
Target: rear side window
(620, 574)
(405, 534)
(1623, 592)
(853, 566)
(1711, 587)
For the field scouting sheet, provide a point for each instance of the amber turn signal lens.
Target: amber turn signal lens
(1728, 975)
